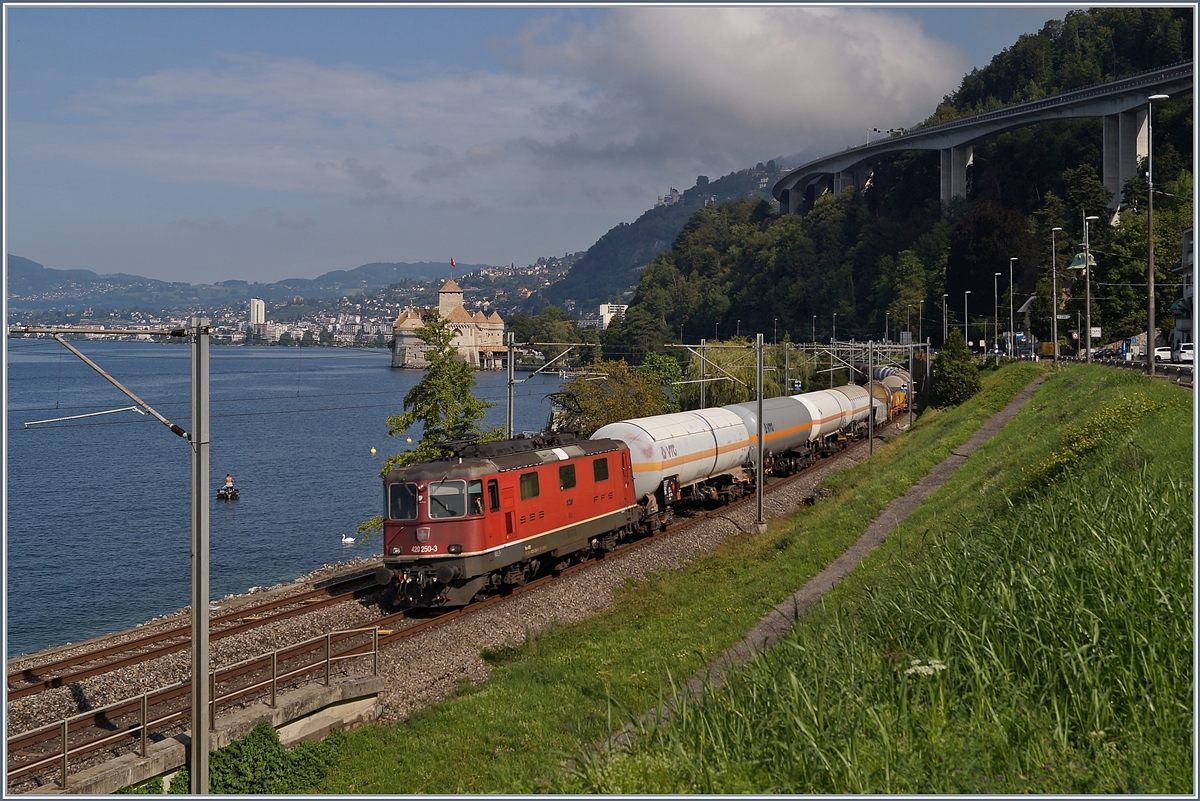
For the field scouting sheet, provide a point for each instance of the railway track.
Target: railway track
(62, 672)
(166, 711)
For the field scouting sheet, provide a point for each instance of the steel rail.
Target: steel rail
(107, 717)
(302, 603)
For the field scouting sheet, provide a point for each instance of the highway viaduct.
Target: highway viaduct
(1122, 103)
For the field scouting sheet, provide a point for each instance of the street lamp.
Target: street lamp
(1012, 332)
(965, 317)
(996, 305)
(775, 334)
(921, 321)
(834, 337)
(739, 329)
(1087, 271)
(908, 322)
(887, 316)
(1054, 293)
(814, 329)
(1149, 233)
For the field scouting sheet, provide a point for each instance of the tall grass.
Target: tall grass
(1028, 630)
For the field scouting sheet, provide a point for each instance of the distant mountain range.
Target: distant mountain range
(607, 269)
(32, 286)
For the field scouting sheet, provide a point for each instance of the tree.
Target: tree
(442, 402)
(635, 335)
(610, 391)
(664, 371)
(955, 378)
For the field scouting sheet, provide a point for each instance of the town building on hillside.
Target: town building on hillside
(669, 199)
(258, 311)
(478, 337)
(611, 310)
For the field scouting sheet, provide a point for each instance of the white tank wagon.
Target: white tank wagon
(826, 408)
(712, 453)
(672, 451)
(858, 403)
(787, 424)
(884, 371)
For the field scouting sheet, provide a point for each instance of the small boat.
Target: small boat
(227, 494)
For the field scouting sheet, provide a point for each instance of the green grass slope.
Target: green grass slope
(833, 709)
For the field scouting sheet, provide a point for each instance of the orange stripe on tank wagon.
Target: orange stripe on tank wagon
(649, 467)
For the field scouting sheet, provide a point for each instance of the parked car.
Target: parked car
(1162, 354)
(1182, 353)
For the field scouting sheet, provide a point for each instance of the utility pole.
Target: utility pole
(787, 368)
(199, 442)
(703, 371)
(871, 397)
(1054, 292)
(510, 385)
(760, 526)
(910, 385)
(945, 319)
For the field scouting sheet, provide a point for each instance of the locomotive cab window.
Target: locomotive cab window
(566, 477)
(402, 501)
(529, 486)
(600, 469)
(475, 496)
(493, 495)
(447, 499)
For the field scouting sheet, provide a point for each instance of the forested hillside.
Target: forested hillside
(885, 257)
(611, 265)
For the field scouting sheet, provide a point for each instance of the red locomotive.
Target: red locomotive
(493, 514)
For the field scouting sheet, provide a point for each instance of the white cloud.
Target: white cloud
(752, 81)
(588, 119)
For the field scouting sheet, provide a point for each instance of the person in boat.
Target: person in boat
(228, 482)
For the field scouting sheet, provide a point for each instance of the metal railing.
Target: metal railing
(109, 718)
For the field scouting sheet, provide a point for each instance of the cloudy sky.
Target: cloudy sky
(207, 143)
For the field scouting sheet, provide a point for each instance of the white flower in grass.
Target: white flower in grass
(933, 666)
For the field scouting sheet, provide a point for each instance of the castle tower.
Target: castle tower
(450, 297)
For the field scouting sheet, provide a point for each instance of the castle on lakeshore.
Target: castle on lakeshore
(478, 337)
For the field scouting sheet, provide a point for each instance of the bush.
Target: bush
(258, 764)
(955, 377)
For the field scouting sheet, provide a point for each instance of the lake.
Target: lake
(98, 527)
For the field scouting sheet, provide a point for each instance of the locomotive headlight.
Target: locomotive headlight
(396, 550)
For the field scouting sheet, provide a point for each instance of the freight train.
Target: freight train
(493, 515)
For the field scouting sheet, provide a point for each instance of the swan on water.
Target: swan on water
(347, 539)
